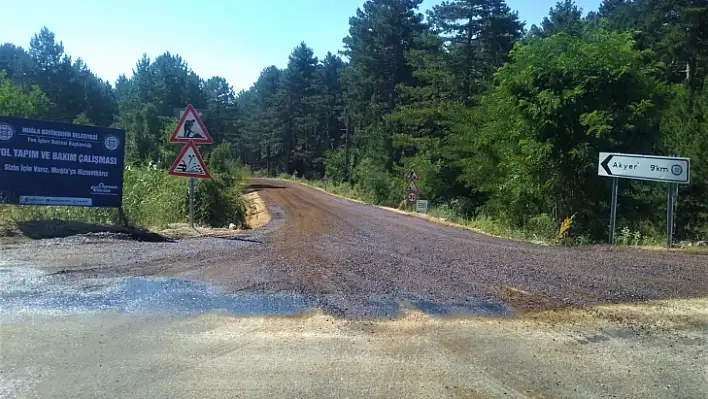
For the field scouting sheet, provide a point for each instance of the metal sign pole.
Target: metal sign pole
(191, 202)
(670, 216)
(613, 209)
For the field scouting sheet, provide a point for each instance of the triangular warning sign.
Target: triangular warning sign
(412, 186)
(189, 163)
(411, 175)
(191, 128)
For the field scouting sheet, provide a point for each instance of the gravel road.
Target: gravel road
(334, 298)
(359, 260)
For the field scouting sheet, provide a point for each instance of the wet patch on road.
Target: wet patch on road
(28, 290)
(470, 306)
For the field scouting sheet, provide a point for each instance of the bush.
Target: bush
(153, 198)
(221, 159)
(377, 186)
(335, 167)
(218, 201)
(542, 226)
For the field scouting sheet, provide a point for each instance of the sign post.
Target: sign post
(613, 209)
(670, 216)
(189, 163)
(411, 188)
(191, 201)
(672, 170)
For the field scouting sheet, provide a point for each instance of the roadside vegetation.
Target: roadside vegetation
(502, 121)
(151, 199)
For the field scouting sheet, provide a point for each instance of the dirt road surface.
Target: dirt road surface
(338, 299)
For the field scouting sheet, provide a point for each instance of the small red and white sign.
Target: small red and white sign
(191, 128)
(189, 163)
(412, 197)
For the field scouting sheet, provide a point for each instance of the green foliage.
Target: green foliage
(376, 185)
(218, 201)
(68, 83)
(562, 101)
(564, 17)
(685, 128)
(151, 197)
(478, 34)
(335, 165)
(10, 214)
(14, 101)
(221, 159)
(628, 237)
(82, 119)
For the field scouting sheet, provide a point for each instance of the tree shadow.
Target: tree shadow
(263, 186)
(234, 238)
(55, 228)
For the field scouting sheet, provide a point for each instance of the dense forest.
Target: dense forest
(500, 120)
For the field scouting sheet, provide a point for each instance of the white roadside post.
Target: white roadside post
(671, 170)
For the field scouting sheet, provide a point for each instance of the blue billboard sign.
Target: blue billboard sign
(49, 163)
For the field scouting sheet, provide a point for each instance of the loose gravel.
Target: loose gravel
(351, 257)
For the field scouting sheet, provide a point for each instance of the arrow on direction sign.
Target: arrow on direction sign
(607, 162)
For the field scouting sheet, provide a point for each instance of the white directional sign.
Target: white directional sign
(644, 167)
(421, 206)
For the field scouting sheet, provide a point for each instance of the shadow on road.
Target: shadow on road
(55, 228)
(260, 187)
(234, 238)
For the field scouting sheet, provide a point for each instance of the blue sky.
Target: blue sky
(235, 39)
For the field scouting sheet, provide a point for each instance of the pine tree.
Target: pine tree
(480, 35)
(380, 38)
(17, 64)
(565, 16)
(301, 98)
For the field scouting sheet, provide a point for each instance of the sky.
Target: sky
(235, 39)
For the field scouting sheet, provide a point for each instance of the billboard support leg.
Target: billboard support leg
(122, 219)
(613, 209)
